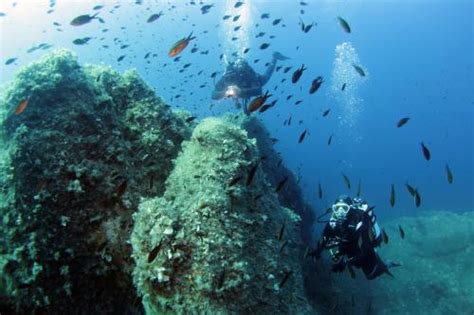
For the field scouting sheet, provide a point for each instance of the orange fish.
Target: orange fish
(257, 102)
(179, 46)
(22, 106)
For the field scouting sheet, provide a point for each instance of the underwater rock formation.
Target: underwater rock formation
(75, 162)
(218, 241)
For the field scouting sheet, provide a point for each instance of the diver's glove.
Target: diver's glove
(339, 266)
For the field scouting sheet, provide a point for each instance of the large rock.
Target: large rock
(210, 247)
(75, 162)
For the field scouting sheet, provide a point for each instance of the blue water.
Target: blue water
(418, 56)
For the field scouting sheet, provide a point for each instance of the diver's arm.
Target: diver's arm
(323, 240)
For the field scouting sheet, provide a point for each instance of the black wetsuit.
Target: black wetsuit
(353, 238)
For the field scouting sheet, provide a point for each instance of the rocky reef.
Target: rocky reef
(89, 144)
(93, 155)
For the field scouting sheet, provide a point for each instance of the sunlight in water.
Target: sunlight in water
(344, 74)
(243, 34)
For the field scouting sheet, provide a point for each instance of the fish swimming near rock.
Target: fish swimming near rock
(344, 25)
(251, 174)
(22, 106)
(257, 102)
(402, 233)
(285, 278)
(410, 189)
(281, 184)
(180, 45)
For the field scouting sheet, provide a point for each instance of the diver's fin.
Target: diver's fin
(279, 56)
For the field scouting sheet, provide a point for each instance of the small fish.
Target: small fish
(257, 197)
(235, 180)
(343, 23)
(220, 280)
(330, 140)
(236, 18)
(257, 102)
(121, 189)
(154, 17)
(81, 41)
(121, 58)
(316, 84)
(359, 70)
(282, 230)
(205, 8)
(285, 278)
(402, 233)
(384, 236)
(392, 196)
(417, 198)
(359, 189)
(283, 246)
(308, 27)
(238, 4)
(326, 112)
(276, 21)
(346, 180)
(180, 45)
(449, 174)
(154, 252)
(306, 252)
(426, 151)
(226, 17)
(10, 61)
(265, 107)
(402, 121)
(190, 119)
(343, 87)
(264, 46)
(297, 74)
(97, 7)
(83, 19)
(281, 184)
(22, 106)
(320, 191)
(265, 16)
(410, 189)
(251, 174)
(303, 134)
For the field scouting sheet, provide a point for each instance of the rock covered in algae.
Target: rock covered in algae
(211, 244)
(74, 164)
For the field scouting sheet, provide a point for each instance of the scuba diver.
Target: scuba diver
(353, 232)
(241, 82)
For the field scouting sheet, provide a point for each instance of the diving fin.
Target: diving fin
(279, 56)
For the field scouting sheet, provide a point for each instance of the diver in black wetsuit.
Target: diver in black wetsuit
(241, 82)
(352, 235)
